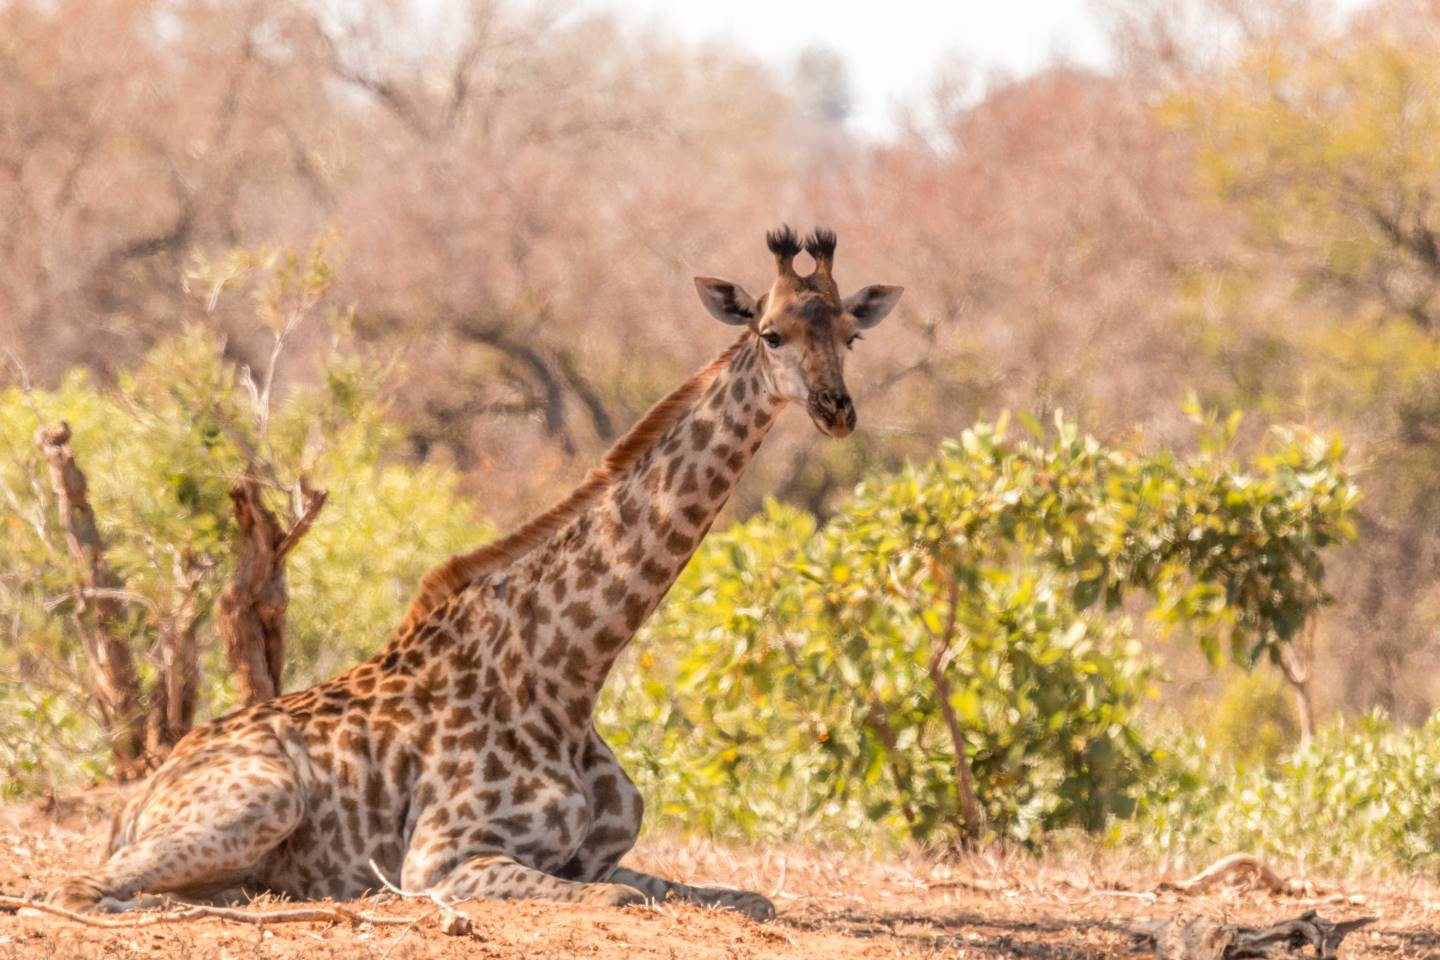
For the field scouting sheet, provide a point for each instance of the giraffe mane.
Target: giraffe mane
(450, 577)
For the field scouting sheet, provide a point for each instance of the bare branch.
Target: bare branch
(382, 90)
(252, 456)
(589, 396)
(250, 610)
(173, 701)
(81, 594)
(314, 500)
(116, 685)
(495, 337)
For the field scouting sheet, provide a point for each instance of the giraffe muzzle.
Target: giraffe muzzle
(833, 413)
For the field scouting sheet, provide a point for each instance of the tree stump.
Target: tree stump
(1200, 938)
(250, 610)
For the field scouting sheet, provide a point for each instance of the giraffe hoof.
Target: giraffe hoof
(613, 895)
(77, 895)
(753, 905)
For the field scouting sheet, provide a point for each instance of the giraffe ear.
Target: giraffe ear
(727, 302)
(872, 304)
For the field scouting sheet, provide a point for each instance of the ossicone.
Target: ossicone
(821, 245)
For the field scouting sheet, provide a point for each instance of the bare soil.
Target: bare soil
(830, 905)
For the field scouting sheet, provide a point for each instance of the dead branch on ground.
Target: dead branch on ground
(1200, 938)
(1241, 868)
(333, 913)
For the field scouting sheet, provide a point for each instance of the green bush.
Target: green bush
(1365, 791)
(744, 713)
(159, 450)
(1253, 722)
(964, 617)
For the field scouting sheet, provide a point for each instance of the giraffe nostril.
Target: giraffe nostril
(831, 402)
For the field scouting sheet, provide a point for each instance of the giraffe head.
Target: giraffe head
(805, 326)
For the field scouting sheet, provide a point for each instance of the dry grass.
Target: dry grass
(1083, 905)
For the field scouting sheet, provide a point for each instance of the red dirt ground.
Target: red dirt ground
(830, 905)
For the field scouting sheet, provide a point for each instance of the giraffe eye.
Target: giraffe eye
(771, 338)
(850, 344)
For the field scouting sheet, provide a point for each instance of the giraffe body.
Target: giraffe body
(461, 759)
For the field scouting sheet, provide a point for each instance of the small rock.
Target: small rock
(455, 924)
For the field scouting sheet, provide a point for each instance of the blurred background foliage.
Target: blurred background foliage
(493, 278)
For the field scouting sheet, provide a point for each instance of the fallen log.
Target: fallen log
(1240, 868)
(1201, 938)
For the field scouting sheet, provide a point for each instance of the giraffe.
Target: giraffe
(461, 760)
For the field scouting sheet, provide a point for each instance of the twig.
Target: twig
(455, 922)
(972, 883)
(314, 500)
(99, 593)
(252, 456)
(200, 911)
(385, 882)
(406, 894)
(1144, 896)
(941, 654)
(26, 388)
(779, 887)
(450, 923)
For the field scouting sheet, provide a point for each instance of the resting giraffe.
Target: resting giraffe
(462, 758)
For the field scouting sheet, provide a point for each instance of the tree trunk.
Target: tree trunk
(877, 722)
(114, 683)
(250, 611)
(1305, 710)
(172, 701)
(964, 781)
(1297, 661)
(940, 648)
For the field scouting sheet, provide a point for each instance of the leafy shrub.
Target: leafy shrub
(963, 619)
(159, 451)
(45, 741)
(1254, 721)
(1364, 791)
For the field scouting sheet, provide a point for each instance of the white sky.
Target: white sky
(893, 48)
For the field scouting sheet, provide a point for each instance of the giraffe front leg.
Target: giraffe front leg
(495, 876)
(616, 810)
(753, 905)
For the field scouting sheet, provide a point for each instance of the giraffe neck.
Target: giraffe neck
(580, 597)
